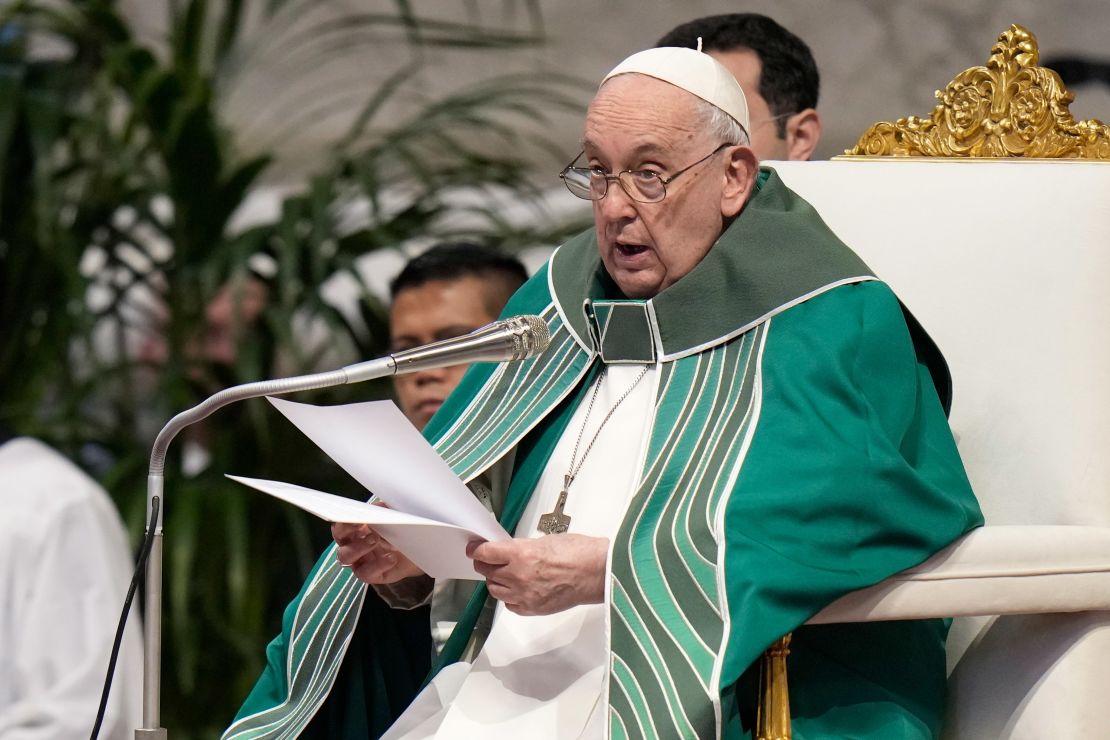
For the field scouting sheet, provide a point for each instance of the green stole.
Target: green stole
(686, 612)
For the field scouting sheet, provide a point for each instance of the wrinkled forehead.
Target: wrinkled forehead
(642, 107)
(636, 83)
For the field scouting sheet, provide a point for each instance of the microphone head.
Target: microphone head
(507, 340)
(530, 336)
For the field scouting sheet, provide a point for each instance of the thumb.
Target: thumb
(494, 553)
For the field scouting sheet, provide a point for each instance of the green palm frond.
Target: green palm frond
(121, 175)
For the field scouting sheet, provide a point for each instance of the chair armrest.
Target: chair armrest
(992, 570)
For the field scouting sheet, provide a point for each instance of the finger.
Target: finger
(355, 550)
(495, 553)
(347, 557)
(344, 533)
(374, 569)
(500, 591)
(487, 570)
(517, 607)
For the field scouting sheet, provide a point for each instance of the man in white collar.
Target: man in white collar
(731, 428)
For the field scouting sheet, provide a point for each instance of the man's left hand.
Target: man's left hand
(543, 575)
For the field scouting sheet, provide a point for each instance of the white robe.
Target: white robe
(546, 677)
(64, 571)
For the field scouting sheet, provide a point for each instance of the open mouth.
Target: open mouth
(631, 250)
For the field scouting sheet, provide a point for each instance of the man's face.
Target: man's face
(640, 123)
(438, 309)
(747, 68)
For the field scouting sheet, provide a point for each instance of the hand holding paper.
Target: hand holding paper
(370, 556)
(432, 514)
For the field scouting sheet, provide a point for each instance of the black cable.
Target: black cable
(140, 568)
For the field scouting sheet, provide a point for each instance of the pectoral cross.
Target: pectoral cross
(555, 521)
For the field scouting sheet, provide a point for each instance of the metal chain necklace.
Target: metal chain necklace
(555, 521)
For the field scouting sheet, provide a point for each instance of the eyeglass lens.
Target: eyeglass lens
(646, 187)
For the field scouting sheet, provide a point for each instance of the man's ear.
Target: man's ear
(803, 132)
(740, 178)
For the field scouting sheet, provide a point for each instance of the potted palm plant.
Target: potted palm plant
(123, 179)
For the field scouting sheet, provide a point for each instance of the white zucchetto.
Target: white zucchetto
(695, 72)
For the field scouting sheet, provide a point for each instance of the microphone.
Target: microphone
(507, 340)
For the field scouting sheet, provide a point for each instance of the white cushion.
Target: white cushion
(992, 570)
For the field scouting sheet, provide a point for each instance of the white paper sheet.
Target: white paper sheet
(382, 450)
(437, 548)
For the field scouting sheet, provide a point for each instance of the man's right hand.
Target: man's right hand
(369, 556)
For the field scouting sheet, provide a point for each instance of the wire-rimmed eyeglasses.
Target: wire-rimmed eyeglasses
(642, 186)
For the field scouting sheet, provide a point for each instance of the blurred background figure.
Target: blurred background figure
(229, 318)
(777, 72)
(448, 291)
(64, 572)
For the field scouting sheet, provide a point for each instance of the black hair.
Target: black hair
(456, 260)
(1075, 69)
(788, 80)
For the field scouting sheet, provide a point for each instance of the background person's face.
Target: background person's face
(746, 67)
(435, 310)
(640, 123)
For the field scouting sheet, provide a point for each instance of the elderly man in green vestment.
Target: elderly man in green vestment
(735, 423)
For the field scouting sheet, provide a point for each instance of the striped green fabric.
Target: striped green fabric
(666, 613)
(512, 401)
(322, 625)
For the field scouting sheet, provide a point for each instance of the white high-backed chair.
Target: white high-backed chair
(1006, 263)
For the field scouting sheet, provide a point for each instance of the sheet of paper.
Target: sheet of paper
(438, 549)
(381, 449)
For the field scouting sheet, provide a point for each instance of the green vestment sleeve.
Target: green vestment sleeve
(386, 662)
(852, 476)
(272, 688)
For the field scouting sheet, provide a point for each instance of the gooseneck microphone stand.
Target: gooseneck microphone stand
(502, 341)
(152, 634)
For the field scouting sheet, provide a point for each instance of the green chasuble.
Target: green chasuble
(798, 451)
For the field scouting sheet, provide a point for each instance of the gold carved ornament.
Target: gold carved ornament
(1009, 108)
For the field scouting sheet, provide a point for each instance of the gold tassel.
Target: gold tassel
(772, 718)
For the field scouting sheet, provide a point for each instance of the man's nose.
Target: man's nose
(433, 375)
(616, 204)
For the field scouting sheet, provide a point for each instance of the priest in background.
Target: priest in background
(775, 69)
